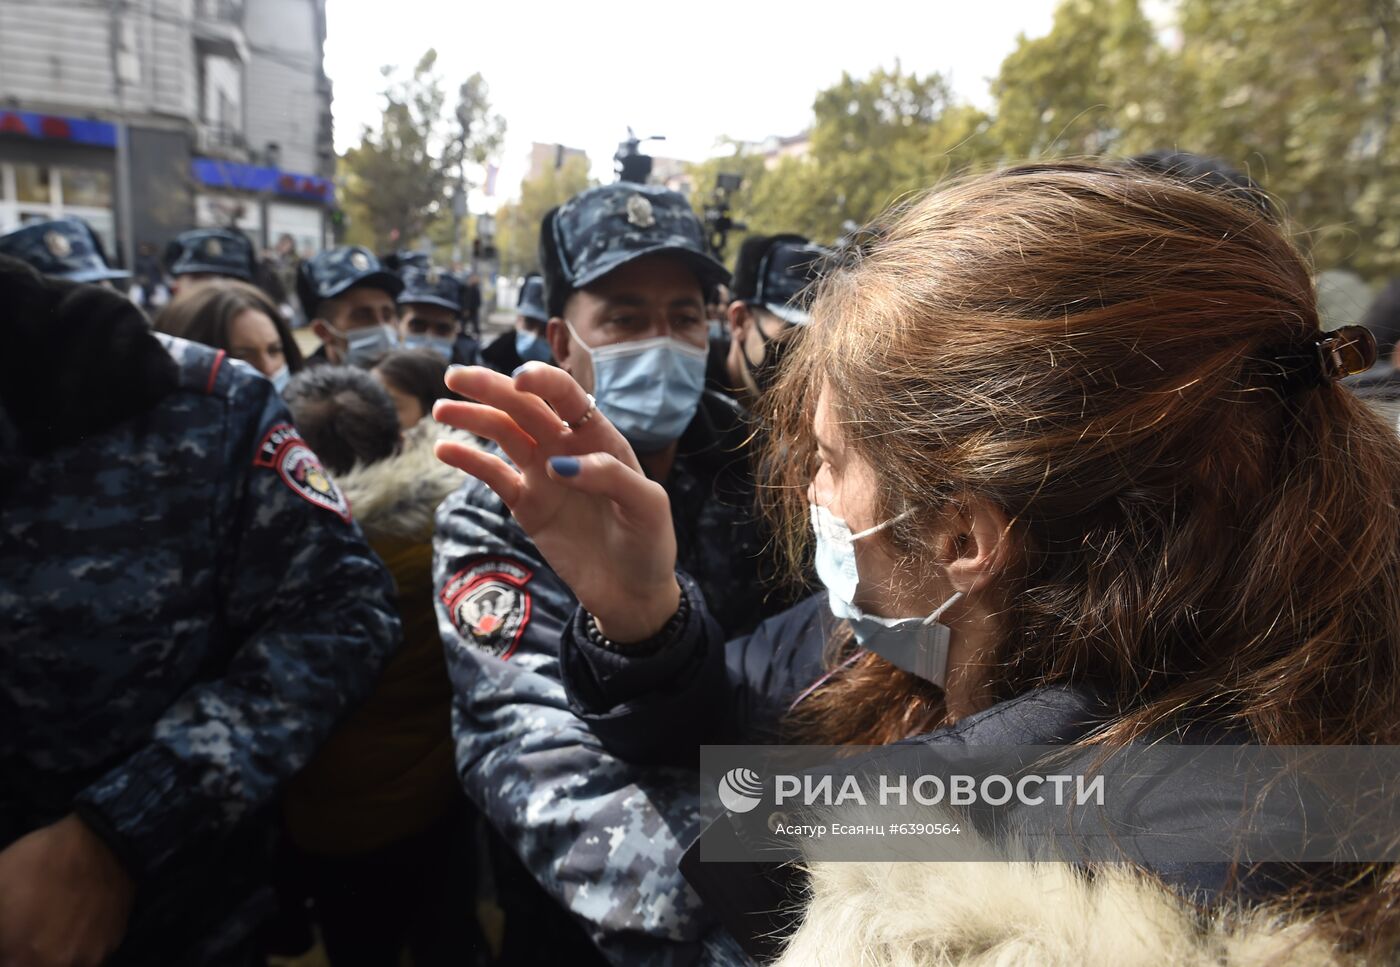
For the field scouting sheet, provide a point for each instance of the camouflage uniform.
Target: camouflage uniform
(186, 609)
(602, 836)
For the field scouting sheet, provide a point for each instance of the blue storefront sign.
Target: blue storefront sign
(253, 178)
(52, 127)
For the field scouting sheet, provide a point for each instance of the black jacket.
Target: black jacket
(701, 690)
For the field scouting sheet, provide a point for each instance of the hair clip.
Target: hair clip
(1346, 352)
(1331, 357)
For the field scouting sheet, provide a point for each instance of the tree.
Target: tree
(518, 223)
(1098, 83)
(1300, 94)
(478, 138)
(1303, 93)
(398, 179)
(873, 140)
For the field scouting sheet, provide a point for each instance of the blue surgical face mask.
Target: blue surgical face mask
(529, 346)
(363, 347)
(281, 378)
(443, 347)
(649, 388)
(917, 645)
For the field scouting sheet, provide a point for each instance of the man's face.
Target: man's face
(426, 319)
(752, 331)
(361, 308)
(654, 296)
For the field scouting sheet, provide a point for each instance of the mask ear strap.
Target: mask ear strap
(879, 527)
(942, 608)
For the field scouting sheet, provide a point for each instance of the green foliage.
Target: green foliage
(873, 141)
(1090, 86)
(518, 223)
(398, 179)
(1302, 94)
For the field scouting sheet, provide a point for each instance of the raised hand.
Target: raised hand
(578, 492)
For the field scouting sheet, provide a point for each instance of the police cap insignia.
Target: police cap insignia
(432, 277)
(213, 247)
(489, 604)
(58, 245)
(639, 213)
(359, 261)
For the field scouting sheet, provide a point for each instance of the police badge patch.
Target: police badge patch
(283, 450)
(489, 605)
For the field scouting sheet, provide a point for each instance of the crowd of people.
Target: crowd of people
(406, 647)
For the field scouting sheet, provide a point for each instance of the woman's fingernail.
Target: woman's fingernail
(564, 466)
(518, 370)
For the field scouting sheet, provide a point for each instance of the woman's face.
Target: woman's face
(409, 409)
(846, 484)
(253, 338)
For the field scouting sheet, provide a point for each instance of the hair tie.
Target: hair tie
(1332, 357)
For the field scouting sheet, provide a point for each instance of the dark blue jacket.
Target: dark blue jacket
(186, 607)
(600, 834)
(700, 689)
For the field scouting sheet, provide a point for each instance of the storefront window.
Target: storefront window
(86, 187)
(33, 184)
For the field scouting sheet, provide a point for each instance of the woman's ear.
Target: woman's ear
(980, 539)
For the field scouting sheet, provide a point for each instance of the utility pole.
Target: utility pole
(126, 230)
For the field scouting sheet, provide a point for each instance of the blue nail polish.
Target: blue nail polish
(564, 466)
(518, 370)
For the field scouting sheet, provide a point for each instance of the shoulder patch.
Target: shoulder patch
(489, 604)
(282, 449)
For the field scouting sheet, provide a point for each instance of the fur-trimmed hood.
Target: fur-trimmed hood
(398, 496)
(999, 914)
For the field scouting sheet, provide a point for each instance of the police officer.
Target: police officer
(772, 281)
(349, 297)
(176, 649)
(65, 248)
(209, 253)
(529, 339)
(430, 308)
(626, 274)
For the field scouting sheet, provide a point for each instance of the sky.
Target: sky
(579, 73)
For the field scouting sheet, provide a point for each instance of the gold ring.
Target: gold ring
(587, 414)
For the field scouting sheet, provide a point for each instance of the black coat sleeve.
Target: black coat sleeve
(697, 689)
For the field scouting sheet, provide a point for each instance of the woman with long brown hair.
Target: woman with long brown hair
(239, 319)
(1067, 433)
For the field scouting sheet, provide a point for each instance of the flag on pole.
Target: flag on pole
(490, 188)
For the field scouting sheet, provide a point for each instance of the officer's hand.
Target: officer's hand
(599, 522)
(64, 898)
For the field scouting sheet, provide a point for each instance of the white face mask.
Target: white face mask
(281, 378)
(917, 645)
(364, 347)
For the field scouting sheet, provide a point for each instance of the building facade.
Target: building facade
(148, 117)
(551, 157)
